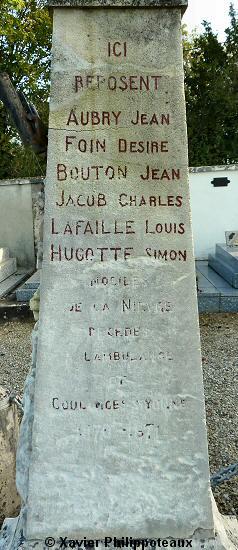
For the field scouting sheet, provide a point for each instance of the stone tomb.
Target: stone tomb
(8, 265)
(119, 440)
(225, 262)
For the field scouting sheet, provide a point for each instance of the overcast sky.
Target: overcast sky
(214, 11)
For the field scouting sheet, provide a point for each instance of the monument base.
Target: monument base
(12, 534)
(226, 538)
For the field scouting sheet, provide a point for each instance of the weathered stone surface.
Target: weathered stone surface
(119, 338)
(9, 430)
(7, 268)
(231, 238)
(225, 538)
(120, 3)
(11, 536)
(25, 443)
(35, 304)
(119, 442)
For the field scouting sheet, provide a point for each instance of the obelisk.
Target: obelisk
(119, 438)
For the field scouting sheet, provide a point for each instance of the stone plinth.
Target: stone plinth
(225, 262)
(7, 268)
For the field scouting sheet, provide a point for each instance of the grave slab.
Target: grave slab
(7, 286)
(225, 265)
(228, 304)
(228, 254)
(25, 294)
(209, 303)
(34, 280)
(7, 268)
(217, 281)
(27, 290)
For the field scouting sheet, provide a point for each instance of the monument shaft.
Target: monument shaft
(119, 437)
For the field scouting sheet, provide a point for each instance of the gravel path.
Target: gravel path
(219, 341)
(15, 353)
(219, 338)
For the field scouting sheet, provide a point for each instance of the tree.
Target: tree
(211, 78)
(25, 37)
(211, 85)
(231, 47)
(231, 42)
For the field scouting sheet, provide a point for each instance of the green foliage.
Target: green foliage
(211, 85)
(25, 37)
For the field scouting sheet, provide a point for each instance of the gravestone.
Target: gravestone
(225, 262)
(225, 259)
(119, 440)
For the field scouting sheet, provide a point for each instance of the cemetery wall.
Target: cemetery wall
(21, 209)
(214, 198)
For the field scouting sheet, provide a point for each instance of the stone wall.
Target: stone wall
(214, 196)
(21, 212)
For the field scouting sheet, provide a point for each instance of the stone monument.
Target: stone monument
(119, 444)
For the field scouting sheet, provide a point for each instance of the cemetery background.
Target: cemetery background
(231, 502)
